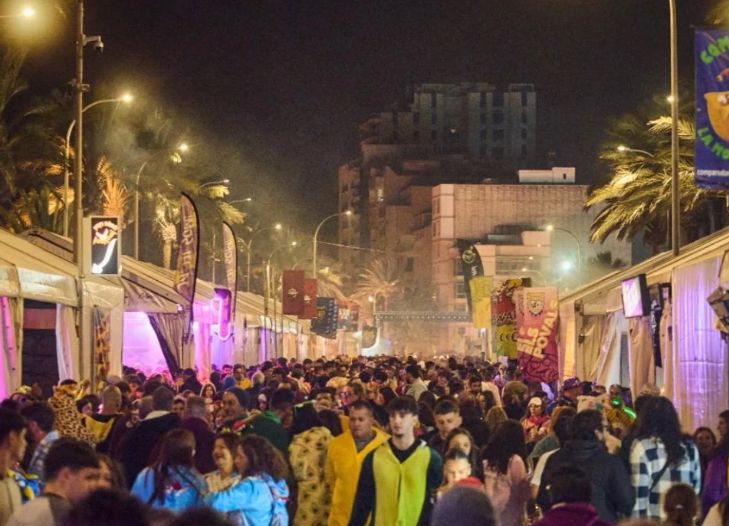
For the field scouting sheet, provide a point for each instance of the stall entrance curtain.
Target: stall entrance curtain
(607, 367)
(11, 341)
(696, 364)
(591, 336)
(642, 363)
(66, 342)
(169, 329)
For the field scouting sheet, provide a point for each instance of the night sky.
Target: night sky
(285, 83)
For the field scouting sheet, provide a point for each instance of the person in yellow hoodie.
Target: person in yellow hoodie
(345, 456)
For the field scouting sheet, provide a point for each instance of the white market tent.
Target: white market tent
(28, 272)
(598, 343)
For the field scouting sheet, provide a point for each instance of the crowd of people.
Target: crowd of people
(380, 441)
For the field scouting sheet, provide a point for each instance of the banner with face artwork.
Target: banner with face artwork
(536, 336)
(102, 344)
(504, 314)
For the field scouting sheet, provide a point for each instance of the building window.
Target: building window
(436, 206)
(523, 134)
(409, 264)
(458, 267)
(498, 135)
(460, 289)
(523, 98)
(460, 307)
(433, 134)
(523, 117)
(380, 195)
(416, 118)
(416, 135)
(484, 134)
(497, 153)
(523, 151)
(436, 229)
(483, 118)
(433, 100)
(434, 118)
(498, 98)
(482, 99)
(498, 117)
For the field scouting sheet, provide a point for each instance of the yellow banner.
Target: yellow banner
(480, 287)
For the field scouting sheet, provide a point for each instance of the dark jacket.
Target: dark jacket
(612, 492)
(142, 441)
(715, 487)
(204, 441)
(572, 514)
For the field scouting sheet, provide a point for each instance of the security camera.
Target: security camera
(97, 43)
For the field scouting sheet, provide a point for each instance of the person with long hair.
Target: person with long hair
(260, 495)
(660, 457)
(705, 441)
(681, 506)
(461, 439)
(172, 481)
(225, 448)
(715, 484)
(505, 474)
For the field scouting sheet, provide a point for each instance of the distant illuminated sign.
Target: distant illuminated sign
(104, 245)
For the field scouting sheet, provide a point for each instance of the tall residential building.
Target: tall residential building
(474, 119)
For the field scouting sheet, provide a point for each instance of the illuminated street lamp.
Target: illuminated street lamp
(249, 245)
(26, 12)
(316, 234)
(622, 149)
(222, 181)
(552, 228)
(126, 98)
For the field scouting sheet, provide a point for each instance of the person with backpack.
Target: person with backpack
(260, 496)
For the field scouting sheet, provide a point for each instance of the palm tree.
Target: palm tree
(638, 195)
(378, 279)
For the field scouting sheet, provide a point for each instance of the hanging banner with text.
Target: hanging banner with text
(325, 323)
(504, 312)
(309, 310)
(230, 259)
(293, 292)
(536, 336)
(472, 268)
(187, 257)
(712, 108)
(480, 288)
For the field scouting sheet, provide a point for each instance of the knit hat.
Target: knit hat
(241, 395)
(464, 505)
(535, 401)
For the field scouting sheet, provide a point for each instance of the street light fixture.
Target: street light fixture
(26, 12)
(183, 147)
(222, 181)
(248, 246)
(552, 228)
(126, 98)
(347, 213)
(622, 149)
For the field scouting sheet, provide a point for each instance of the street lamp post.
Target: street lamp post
(622, 148)
(316, 234)
(675, 197)
(552, 228)
(268, 295)
(124, 98)
(136, 210)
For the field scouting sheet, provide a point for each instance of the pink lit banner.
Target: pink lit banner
(536, 337)
(187, 256)
(230, 259)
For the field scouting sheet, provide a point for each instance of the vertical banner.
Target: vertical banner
(472, 268)
(504, 313)
(711, 48)
(293, 291)
(325, 323)
(536, 340)
(230, 260)
(480, 288)
(309, 310)
(187, 257)
(102, 345)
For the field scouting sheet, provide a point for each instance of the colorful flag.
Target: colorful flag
(505, 318)
(480, 288)
(293, 291)
(711, 154)
(187, 256)
(325, 323)
(536, 339)
(309, 310)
